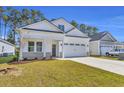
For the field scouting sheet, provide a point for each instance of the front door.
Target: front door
(54, 50)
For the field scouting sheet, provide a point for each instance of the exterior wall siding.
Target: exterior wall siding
(94, 48)
(32, 55)
(76, 32)
(7, 48)
(43, 25)
(41, 35)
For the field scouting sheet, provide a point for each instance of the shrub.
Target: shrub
(8, 59)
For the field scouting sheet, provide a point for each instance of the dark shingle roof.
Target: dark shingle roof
(99, 35)
(42, 30)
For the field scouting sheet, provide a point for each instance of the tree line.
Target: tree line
(89, 30)
(11, 18)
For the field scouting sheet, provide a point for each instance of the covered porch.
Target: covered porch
(39, 45)
(41, 48)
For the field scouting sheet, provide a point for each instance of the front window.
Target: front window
(61, 27)
(83, 45)
(77, 44)
(71, 44)
(31, 46)
(65, 43)
(39, 46)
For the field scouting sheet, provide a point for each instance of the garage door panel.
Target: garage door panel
(74, 51)
(105, 49)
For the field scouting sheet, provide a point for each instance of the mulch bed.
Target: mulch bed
(20, 62)
(27, 61)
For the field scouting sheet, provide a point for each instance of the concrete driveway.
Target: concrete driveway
(108, 65)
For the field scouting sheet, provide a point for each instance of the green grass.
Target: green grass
(57, 73)
(108, 57)
(7, 59)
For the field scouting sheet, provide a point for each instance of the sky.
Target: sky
(105, 18)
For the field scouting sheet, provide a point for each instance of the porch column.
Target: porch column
(63, 49)
(21, 45)
(35, 46)
(44, 48)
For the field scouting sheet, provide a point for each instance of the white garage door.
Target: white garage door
(74, 50)
(105, 49)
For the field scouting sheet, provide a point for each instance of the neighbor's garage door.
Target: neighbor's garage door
(105, 49)
(74, 50)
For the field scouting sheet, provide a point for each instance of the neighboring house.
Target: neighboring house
(6, 48)
(57, 38)
(103, 42)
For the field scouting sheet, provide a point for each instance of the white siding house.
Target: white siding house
(76, 43)
(56, 38)
(103, 42)
(6, 48)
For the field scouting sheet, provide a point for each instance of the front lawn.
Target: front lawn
(58, 73)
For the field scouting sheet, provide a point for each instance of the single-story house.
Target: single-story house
(103, 42)
(57, 38)
(6, 48)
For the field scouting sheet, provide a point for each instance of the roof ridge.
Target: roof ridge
(70, 24)
(100, 35)
(42, 21)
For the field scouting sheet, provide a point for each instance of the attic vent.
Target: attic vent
(61, 27)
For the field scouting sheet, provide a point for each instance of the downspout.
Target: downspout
(99, 46)
(63, 45)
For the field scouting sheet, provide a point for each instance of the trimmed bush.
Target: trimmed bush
(7, 59)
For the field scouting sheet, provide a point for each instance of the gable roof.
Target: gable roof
(32, 27)
(61, 18)
(68, 23)
(75, 32)
(4, 41)
(58, 30)
(100, 35)
(70, 30)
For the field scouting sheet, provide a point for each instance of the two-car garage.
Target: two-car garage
(74, 50)
(104, 49)
(75, 47)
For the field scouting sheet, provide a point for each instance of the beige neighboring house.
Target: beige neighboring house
(6, 48)
(103, 42)
(57, 38)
